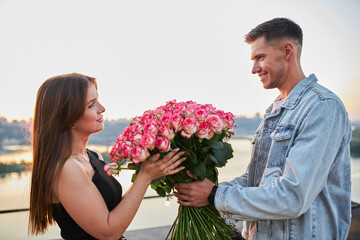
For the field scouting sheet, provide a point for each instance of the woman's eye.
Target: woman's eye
(92, 104)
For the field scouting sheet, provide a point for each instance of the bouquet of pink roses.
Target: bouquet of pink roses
(197, 129)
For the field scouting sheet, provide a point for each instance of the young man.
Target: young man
(298, 182)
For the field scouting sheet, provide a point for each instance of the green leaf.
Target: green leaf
(220, 156)
(199, 171)
(214, 159)
(133, 177)
(205, 148)
(193, 158)
(228, 151)
(208, 161)
(211, 174)
(157, 182)
(216, 145)
(132, 166)
(183, 143)
(167, 189)
(160, 192)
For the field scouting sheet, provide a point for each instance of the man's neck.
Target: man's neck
(291, 81)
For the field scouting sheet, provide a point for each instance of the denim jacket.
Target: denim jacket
(298, 182)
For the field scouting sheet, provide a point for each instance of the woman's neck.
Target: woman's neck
(79, 145)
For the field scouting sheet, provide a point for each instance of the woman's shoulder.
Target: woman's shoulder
(72, 165)
(72, 173)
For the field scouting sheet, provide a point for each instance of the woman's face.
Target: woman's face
(91, 121)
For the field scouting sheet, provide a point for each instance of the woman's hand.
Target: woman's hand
(168, 165)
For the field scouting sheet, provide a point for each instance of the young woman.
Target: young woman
(68, 183)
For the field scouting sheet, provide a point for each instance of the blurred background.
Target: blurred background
(144, 53)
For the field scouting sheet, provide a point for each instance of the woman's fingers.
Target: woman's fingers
(190, 174)
(173, 168)
(168, 165)
(154, 158)
(173, 162)
(171, 154)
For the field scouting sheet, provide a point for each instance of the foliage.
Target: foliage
(355, 143)
(14, 167)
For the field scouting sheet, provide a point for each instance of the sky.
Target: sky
(145, 53)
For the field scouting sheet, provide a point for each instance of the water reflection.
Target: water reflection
(15, 191)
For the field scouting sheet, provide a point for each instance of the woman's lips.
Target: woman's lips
(101, 119)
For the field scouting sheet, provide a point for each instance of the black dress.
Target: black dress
(110, 190)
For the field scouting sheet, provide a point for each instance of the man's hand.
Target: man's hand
(194, 194)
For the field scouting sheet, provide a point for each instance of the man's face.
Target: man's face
(268, 63)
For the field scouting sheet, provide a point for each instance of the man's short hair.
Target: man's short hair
(276, 29)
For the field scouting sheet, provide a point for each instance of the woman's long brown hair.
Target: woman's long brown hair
(60, 102)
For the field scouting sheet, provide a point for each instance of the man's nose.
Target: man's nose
(256, 68)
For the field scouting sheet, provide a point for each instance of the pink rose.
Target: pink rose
(201, 114)
(220, 113)
(148, 117)
(121, 138)
(228, 120)
(176, 122)
(159, 111)
(139, 154)
(126, 131)
(125, 150)
(190, 125)
(166, 132)
(162, 143)
(190, 110)
(184, 134)
(165, 119)
(210, 135)
(169, 104)
(111, 168)
(209, 108)
(179, 107)
(203, 130)
(135, 138)
(150, 127)
(148, 141)
(215, 123)
(116, 148)
(135, 120)
(178, 112)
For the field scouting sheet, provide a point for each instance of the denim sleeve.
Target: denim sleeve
(242, 181)
(321, 136)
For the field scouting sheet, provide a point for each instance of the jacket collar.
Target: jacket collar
(296, 93)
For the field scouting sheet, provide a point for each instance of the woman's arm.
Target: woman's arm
(85, 205)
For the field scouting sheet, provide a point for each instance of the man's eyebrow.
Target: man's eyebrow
(257, 56)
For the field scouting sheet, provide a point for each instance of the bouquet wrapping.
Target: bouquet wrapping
(200, 131)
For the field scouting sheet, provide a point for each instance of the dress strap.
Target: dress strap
(94, 160)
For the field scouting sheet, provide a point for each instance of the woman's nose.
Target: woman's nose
(101, 109)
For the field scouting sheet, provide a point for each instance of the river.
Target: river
(14, 189)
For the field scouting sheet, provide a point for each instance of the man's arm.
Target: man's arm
(319, 138)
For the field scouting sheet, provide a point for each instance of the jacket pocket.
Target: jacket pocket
(281, 138)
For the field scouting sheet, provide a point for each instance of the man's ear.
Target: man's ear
(288, 50)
